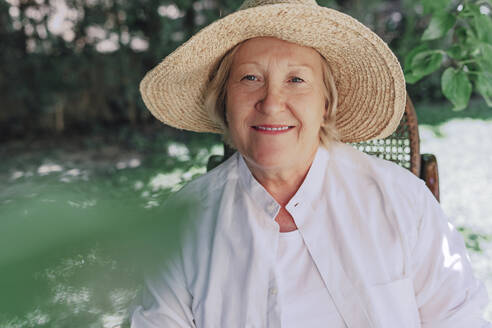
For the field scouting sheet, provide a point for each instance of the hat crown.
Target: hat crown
(256, 3)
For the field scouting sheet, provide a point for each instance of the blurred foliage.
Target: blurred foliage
(76, 256)
(76, 233)
(457, 38)
(72, 65)
(434, 114)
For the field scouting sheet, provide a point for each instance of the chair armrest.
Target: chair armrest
(429, 173)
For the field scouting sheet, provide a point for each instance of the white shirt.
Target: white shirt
(304, 299)
(383, 247)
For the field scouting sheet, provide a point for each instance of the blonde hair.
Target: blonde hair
(215, 98)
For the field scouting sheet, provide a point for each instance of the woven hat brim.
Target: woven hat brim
(368, 76)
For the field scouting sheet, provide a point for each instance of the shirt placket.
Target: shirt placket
(273, 311)
(273, 304)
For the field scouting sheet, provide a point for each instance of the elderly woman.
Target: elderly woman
(298, 229)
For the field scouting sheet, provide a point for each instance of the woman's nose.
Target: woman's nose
(272, 101)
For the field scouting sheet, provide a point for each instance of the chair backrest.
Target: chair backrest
(402, 147)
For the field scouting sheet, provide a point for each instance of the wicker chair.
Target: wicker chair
(402, 147)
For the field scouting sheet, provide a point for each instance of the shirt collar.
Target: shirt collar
(257, 192)
(309, 189)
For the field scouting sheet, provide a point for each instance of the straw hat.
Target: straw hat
(368, 77)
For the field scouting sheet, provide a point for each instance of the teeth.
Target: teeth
(272, 129)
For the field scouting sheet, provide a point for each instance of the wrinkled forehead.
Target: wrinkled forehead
(268, 48)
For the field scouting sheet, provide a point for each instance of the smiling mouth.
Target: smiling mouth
(272, 128)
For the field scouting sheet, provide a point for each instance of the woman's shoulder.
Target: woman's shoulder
(211, 182)
(196, 202)
(355, 163)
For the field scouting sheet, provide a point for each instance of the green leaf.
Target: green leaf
(481, 23)
(456, 87)
(484, 26)
(483, 84)
(485, 56)
(407, 62)
(431, 6)
(411, 78)
(426, 62)
(439, 25)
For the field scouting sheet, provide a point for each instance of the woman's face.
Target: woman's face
(275, 103)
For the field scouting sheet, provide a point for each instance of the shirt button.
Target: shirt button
(273, 291)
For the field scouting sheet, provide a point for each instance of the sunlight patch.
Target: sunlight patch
(165, 181)
(49, 168)
(178, 151)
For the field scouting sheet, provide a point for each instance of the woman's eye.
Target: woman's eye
(296, 79)
(249, 78)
